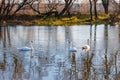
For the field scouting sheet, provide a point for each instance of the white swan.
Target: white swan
(86, 47)
(72, 49)
(25, 48)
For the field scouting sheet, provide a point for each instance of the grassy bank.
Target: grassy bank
(52, 21)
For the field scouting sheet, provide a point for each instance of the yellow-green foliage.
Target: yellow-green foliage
(74, 20)
(27, 23)
(103, 16)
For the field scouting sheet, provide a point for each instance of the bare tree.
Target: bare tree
(68, 5)
(105, 5)
(35, 5)
(11, 7)
(95, 9)
(51, 7)
(6, 7)
(116, 8)
(20, 5)
(91, 9)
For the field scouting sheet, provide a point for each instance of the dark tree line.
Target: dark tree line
(11, 7)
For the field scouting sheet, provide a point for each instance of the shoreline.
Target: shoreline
(52, 21)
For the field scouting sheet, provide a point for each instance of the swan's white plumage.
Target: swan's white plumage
(86, 48)
(25, 49)
(73, 49)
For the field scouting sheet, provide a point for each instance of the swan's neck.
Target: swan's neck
(31, 46)
(88, 42)
(70, 44)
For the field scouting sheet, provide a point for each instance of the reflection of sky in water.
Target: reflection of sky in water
(50, 56)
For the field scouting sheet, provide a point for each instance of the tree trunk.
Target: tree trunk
(105, 5)
(68, 5)
(95, 9)
(91, 18)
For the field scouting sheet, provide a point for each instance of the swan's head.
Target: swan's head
(86, 48)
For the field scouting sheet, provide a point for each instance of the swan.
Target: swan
(86, 47)
(25, 48)
(72, 49)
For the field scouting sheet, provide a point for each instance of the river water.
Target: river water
(50, 58)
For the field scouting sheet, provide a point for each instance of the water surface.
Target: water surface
(50, 59)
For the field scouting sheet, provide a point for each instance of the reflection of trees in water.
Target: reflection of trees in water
(73, 70)
(106, 68)
(90, 35)
(18, 68)
(87, 66)
(110, 65)
(5, 35)
(106, 31)
(95, 31)
(116, 64)
(87, 70)
(3, 63)
(5, 38)
(119, 35)
(90, 71)
(0, 32)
